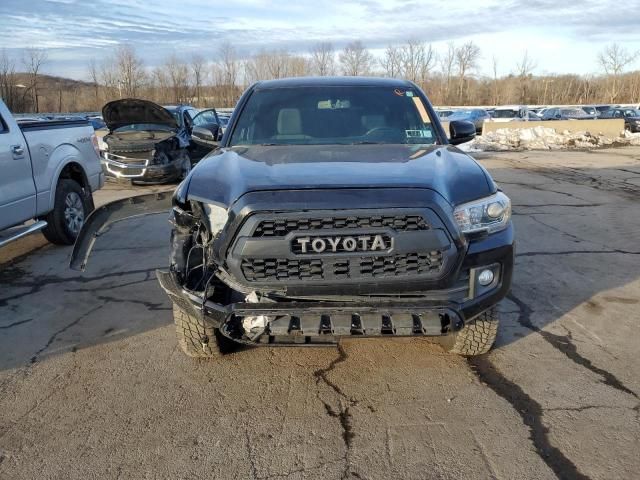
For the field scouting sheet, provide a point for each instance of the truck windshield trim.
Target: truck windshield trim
(334, 115)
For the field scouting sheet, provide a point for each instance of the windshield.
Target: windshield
(505, 114)
(325, 115)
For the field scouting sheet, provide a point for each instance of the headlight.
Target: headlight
(490, 214)
(217, 216)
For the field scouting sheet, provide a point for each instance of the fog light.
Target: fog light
(485, 277)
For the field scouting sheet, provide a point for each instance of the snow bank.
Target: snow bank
(543, 138)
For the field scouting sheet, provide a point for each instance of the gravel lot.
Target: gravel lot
(92, 384)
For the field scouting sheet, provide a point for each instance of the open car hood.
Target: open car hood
(130, 111)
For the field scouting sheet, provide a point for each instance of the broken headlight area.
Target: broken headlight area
(196, 279)
(196, 228)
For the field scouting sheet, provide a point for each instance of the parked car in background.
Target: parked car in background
(150, 143)
(571, 113)
(604, 108)
(476, 116)
(540, 112)
(631, 117)
(97, 122)
(49, 171)
(591, 110)
(509, 113)
(443, 114)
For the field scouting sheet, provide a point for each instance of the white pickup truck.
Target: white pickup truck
(49, 170)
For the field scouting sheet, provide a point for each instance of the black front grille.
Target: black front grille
(399, 265)
(410, 264)
(281, 227)
(257, 270)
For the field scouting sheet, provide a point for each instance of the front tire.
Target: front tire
(197, 338)
(70, 208)
(476, 337)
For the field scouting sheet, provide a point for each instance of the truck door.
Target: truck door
(203, 118)
(17, 190)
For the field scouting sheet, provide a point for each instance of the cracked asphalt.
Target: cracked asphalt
(92, 384)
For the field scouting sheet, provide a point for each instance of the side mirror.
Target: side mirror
(206, 135)
(461, 131)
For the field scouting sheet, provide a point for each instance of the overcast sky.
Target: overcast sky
(561, 36)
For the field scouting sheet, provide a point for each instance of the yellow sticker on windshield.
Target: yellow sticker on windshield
(423, 111)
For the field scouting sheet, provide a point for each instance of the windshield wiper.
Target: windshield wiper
(367, 142)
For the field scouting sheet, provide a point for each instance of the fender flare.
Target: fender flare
(61, 156)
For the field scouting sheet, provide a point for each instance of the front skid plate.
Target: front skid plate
(113, 212)
(320, 322)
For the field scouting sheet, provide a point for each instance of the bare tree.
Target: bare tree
(230, 63)
(447, 62)
(34, 60)
(271, 64)
(466, 58)
(297, 66)
(496, 94)
(129, 69)
(8, 88)
(355, 59)
(614, 59)
(161, 85)
(524, 69)
(94, 75)
(323, 59)
(179, 77)
(199, 72)
(277, 62)
(416, 60)
(391, 61)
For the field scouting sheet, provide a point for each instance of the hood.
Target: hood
(129, 111)
(227, 174)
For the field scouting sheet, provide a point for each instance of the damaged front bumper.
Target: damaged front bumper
(302, 322)
(138, 169)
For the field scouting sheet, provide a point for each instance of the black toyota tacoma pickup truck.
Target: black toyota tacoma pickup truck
(333, 207)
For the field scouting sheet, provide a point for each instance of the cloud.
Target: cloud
(82, 29)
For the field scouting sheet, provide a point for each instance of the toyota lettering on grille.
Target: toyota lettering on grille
(342, 244)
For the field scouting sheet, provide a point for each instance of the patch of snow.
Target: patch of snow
(544, 138)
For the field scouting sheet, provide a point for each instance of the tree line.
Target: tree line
(450, 76)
